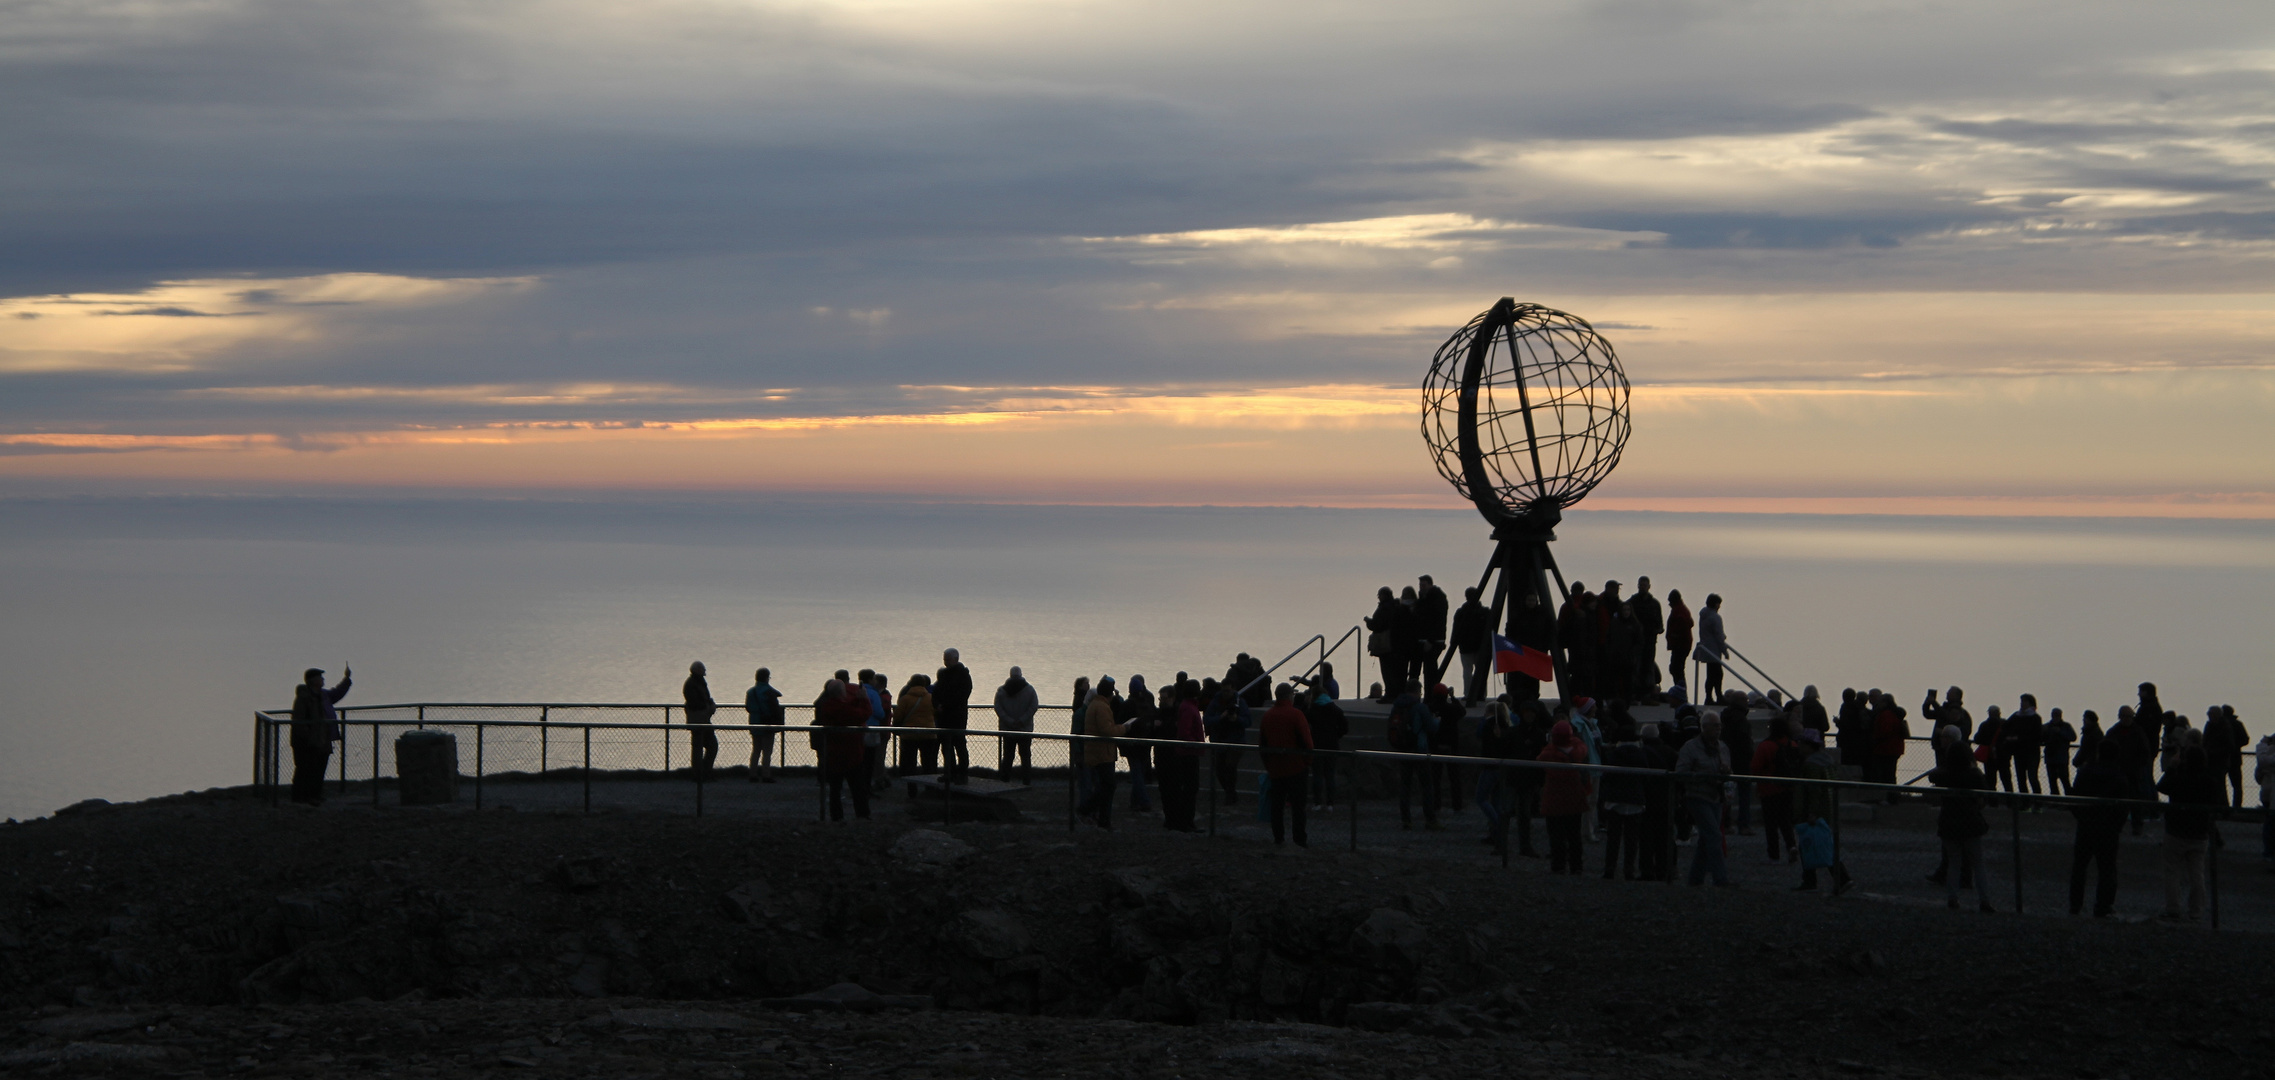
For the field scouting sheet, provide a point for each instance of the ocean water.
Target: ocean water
(137, 636)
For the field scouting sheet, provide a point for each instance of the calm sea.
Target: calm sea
(138, 635)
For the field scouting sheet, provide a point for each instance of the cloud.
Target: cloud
(321, 218)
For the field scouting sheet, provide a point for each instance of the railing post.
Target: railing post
(1836, 823)
(479, 730)
(268, 760)
(2212, 870)
(588, 768)
(1211, 781)
(374, 762)
(544, 738)
(1072, 788)
(343, 760)
(1351, 769)
(667, 739)
(821, 790)
(697, 771)
(2014, 805)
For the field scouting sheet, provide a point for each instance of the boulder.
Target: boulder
(1393, 937)
(677, 1020)
(426, 767)
(81, 1025)
(929, 850)
(1380, 1015)
(992, 934)
(848, 997)
(750, 903)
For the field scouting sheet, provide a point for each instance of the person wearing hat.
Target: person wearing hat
(314, 729)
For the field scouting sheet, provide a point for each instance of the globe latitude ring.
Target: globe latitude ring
(1525, 412)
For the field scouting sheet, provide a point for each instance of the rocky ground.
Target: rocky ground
(212, 934)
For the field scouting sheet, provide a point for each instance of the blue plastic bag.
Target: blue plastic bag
(1815, 839)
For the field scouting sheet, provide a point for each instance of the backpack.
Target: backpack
(1401, 729)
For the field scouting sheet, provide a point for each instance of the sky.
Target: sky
(1899, 256)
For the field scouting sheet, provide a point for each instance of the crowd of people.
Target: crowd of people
(1606, 646)
(929, 720)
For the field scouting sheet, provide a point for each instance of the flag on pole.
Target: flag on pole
(1509, 656)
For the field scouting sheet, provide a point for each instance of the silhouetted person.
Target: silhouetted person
(952, 710)
(1890, 735)
(2099, 828)
(2225, 740)
(1852, 730)
(2193, 795)
(1098, 752)
(1680, 628)
(2021, 738)
(1282, 737)
(1960, 821)
(1563, 798)
(1616, 660)
(1136, 712)
(914, 710)
(2149, 715)
(1625, 797)
(1815, 803)
(1226, 721)
(2137, 756)
(1249, 682)
(1181, 765)
(2054, 741)
(1015, 705)
(1575, 639)
(2090, 738)
(1703, 763)
(314, 729)
(1473, 638)
(1987, 742)
(1430, 606)
(1411, 729)
(1328, 726)
(1713, 644)
(844, 716)
(1658, 826)
(1386, 630)
(1738, 735)
(1650, 622)
(696, 692)
(762, 703)
(1530, 625)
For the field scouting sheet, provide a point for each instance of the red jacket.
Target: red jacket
(1283, 729)
(1765, 764)
(1887, 734)
(1189, 728)
(847, 719)
(1564, 791)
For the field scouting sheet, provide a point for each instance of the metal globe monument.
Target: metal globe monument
(1525, 411)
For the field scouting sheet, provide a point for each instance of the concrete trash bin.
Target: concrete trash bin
(426, 767)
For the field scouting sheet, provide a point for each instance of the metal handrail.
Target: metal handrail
(1266, 677)
(1733, 650)
(1378, 755)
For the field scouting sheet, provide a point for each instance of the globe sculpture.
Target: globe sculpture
(1524, 412)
